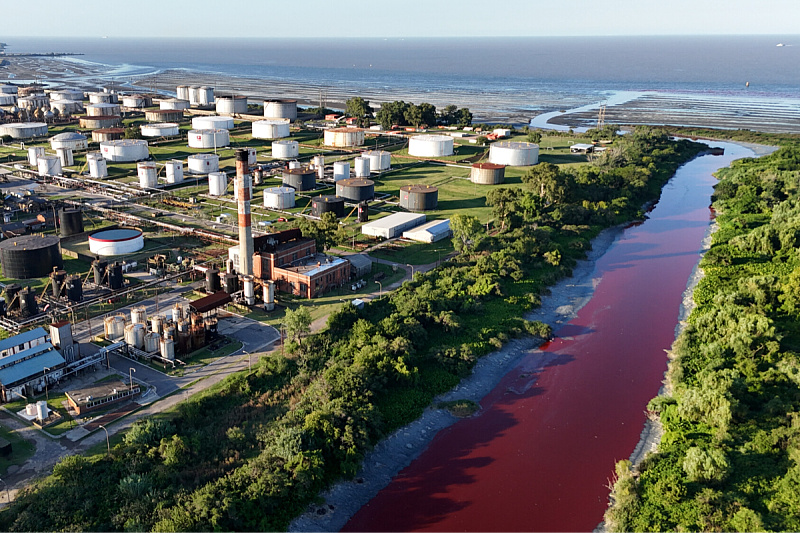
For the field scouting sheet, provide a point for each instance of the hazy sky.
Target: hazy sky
(398, 18)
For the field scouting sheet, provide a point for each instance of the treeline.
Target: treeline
(254, 451)
(729, 458)
(400, 113)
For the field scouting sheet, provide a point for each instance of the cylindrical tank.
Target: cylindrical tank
(212, 123)
(212, 280)
(355, 189)
(182, 325)
(203, 163)
(99, 267)
(167, 349)
(430, 145)
(42, 411)
(125, 150)
(217, 183)
(65, 94)
(172, 104)
(341, 170)
(270, 129)
(103, 98)
(49, 165)
(65, 156)
(100, 122)
(137, 101)
(252, 157)
(269, 296)
(280, 109)
(139, 315)
(249, 290)
(182, 92)
(419, 197)
(168, 331)
(285, 149)
(34, 153)
(258, 176)
(12, 296)
(116, 241)
(102, 110)
(361, 167)
(215, 138)
(107, 134)
(514, 153)
(319, 166)
(363, 212)
(57, 278)
(66, 107)
(98, 167)
(279, 198)
(27, 298)
(174, 171)
(156, 323)
(74, 288)
(326, 204)
(30, 409)
(487, 173)
(163, 115)
(230, 283)
(151, 342)
(114, 327)
(379, 160)
(72, 140)
(343, 137)
(205, 95)
(159, 129)
(231, 105)
(148, 174)
(177, 312)
(211, 323)
(301, 179)
(30, 256)
(71, 221)
(134, 335)
(36, 101)
(295, 164)
(24, 130)
(115, 279)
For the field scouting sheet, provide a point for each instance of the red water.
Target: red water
(540, 455)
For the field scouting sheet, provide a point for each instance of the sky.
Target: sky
(400, 18)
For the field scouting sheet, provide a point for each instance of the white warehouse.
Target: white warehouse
(393, 225)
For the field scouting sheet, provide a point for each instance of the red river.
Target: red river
(540, 454)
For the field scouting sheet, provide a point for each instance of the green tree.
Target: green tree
(548, 181)
(705, 465)
(467, 232)
(504, 202)
(464, 117)
(534, 136)
(392, 113)
(449, 115)
(360, 109)
(297, 322)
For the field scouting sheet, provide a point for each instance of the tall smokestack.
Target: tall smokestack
(244, 185)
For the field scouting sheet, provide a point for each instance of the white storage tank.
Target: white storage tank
(361, 165)
(137, 101)
(102, 110)
(114, 327)
(319, 166)
(34, 153)
(65, 107)
(66, 94)
(116, 241)
(271, 129)
(156, 323)
(42, 411)
(139, 315)
(280, 109)
(65, 155)
(279, 198)
(379, 160)
(231, 105)
(174, 171)
(167, 349)
(285, 149)
(430, 145)
(252, 157)
(341, 170)
(151, 342)
(163, 129)
(24, 130)
(30, 409)
(343, 137)
(173, 104)
(148, 174)
(212, 123)
(205, 95)
(177, 313)
(103, 98)
(98, 167)
(124, 150)
(182, 92)
(203, 163)
(49, 165)
(134, 335)
(69, 139)
(217, 184)
(194, 95)
(34, 101)
(214, 138)
(294, 164)
(513, 153)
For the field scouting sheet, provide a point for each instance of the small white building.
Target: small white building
(393, 225)
(581, 148)
(433, 231)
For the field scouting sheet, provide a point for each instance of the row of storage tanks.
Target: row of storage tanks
(178, 332)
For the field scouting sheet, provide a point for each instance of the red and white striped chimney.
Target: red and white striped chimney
(244, 185)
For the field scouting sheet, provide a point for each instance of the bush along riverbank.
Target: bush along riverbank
(253, 452)
(729, 458)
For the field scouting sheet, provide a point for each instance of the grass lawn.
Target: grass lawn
(21, 449)
(415, 253)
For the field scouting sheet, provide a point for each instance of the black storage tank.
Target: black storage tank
(12, 296)
(363, 212)
(57, 281)
(71, 221)
(99, 267)
(355, 189)
(212, 280)
(28, 300)
(327, 203)
(74, 289)
(419, 197)
(301, 179)
(115, 278)
(230, 283)
(30, 256)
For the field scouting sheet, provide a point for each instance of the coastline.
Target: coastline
(398, 450)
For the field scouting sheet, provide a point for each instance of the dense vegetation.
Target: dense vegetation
(729, 459)
(251, 453)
